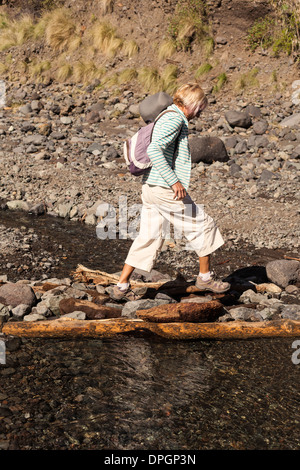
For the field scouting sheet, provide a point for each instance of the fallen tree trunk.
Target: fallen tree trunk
(69, 328)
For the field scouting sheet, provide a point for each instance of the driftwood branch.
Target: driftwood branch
(290, 257)
(111, 327)
(99, 277)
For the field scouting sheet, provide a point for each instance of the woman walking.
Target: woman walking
(166, 200)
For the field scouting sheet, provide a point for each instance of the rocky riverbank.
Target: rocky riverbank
(61, 155)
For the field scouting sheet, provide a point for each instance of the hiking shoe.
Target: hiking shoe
(213, 285)
(123, 294)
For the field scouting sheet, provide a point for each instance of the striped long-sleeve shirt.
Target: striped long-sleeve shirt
(170, 131)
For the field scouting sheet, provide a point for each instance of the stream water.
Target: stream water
(141, 392)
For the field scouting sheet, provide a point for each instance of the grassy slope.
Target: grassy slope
(130, 46)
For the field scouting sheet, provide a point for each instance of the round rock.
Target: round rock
(208, 150)
(16, 294)
(283, 272)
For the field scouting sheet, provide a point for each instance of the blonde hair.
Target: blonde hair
(191, 97)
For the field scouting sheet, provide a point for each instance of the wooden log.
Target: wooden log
(108, 328)
(86, 275)
(183, 312)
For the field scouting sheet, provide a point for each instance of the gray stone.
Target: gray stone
(266, 176)
(231, 142)
(16, 294)
(38, 209)
(95, 146)
(238, 119)
(26, 109)
(253, 110)
(291, 121)
(235, 169)
(296, 152)
(52, 303)
(35, 139)
(221, 40)
(249, 296)
(163, 296)
(245, 314)
(57, 135)
(64, 210)
(291, 289)
(241, 147)
(36, 105)
(260, 127)
(283, 272)
(4, 312)
(76, 315)
(93, 117)
(268, 313)
(66, 120)
(291, 312)
(259, 141)
(20, 311)
(18, 205)
(42, 309)
(34, 317)
(134, 110)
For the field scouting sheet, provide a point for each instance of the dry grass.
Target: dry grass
(166, 49)
(130, 48)
(86, 71)
(16, 33)
(186, 31)
(61, 32)
(37, 69)
(127, 76)
(247, 80)
(169, 76)
(153, 81)
(150, 79)
(64, 72)
(4, 68)
(104, 38)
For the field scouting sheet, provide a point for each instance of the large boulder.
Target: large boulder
(283, 272)
(17, 294)
(208, 150)
(153, 105)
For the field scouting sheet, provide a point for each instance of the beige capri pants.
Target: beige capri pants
(159, 212)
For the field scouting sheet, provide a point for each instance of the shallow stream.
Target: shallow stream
(141, 393)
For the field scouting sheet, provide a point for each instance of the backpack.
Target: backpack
(135, 148)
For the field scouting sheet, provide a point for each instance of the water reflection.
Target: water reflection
(145, 393)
